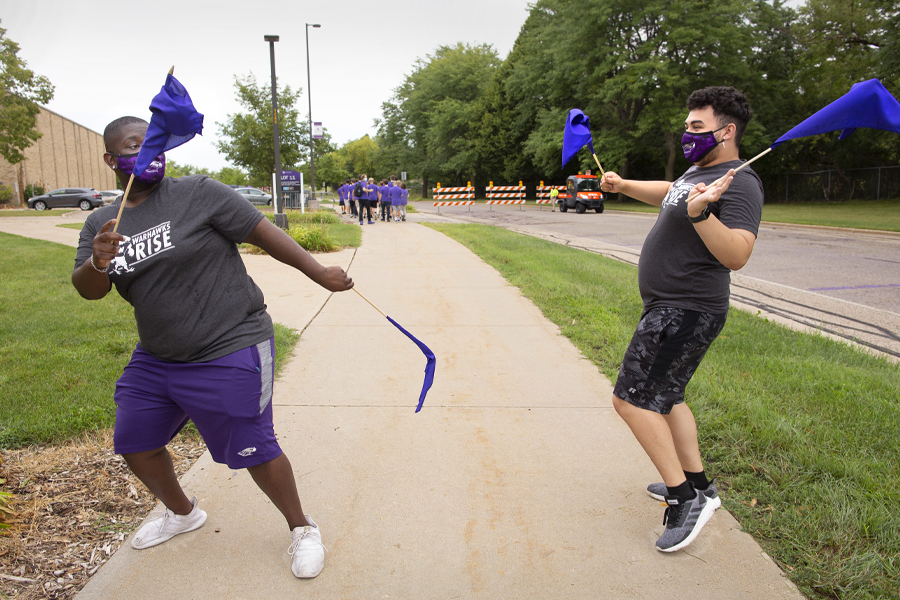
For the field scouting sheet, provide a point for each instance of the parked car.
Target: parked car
(255, 196)
(111, 195)
(83, 198)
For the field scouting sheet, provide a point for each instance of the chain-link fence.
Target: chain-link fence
(874, 183)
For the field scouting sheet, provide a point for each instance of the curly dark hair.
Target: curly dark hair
(728, 104)
(116, 126)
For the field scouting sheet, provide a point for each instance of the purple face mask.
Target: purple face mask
(698, 145)
(154, 173)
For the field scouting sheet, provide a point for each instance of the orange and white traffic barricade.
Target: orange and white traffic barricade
(454, 196)
(510, 194)
(543, 193)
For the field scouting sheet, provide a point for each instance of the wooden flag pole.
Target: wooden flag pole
(130, 180)
(367, 300)
(722, 178)
(597, 160)
(122, 206)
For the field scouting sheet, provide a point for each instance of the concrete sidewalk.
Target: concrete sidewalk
(517, 479)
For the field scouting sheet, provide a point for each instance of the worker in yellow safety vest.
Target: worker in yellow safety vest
(554, 194)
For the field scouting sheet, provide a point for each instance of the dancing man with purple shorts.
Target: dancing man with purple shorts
(206, 342)
(683, 275)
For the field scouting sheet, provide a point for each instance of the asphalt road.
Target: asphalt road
(843, 282)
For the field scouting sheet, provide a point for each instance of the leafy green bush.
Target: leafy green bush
(314, 238)
(6, 194)
(33, 190)
(325, 217)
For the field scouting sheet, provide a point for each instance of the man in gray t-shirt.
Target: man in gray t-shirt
(707, 226)
(206, 342)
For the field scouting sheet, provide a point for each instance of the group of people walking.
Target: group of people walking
(361, 196)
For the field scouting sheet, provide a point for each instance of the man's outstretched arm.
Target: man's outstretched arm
(283, 248)
(651, 192)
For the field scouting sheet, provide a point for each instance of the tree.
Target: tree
(175, 170)
(360, 156)
(322, 147)
(227, 175)
(430, 122)
(22, 90)
(231, 176)
(842, 42)
(247, 138)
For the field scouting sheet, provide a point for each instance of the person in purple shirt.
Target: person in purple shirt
(351, 199)
(385, 200)
(342, 196)
(404, 198)
(380, 193)
(369, 193)
(396, 199)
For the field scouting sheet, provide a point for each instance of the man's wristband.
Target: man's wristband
(96, 268)
(704, 215)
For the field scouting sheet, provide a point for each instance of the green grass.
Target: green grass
(78, 226)
(61, 354)
(801, 430)
(633, 206)
(883, 215)
(30, 212)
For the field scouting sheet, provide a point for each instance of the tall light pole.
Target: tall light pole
(280, 219)
(312, 168)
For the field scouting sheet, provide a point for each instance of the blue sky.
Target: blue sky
(108, 59)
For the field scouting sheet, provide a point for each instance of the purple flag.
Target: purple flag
(429, 365)
(174, 122)
(576, 135)
(867, 104)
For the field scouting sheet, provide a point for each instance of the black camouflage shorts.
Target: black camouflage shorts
(666, 349)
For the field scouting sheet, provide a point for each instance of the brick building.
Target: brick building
(66, 155)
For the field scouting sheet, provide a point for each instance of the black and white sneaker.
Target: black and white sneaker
(658, 491)
(683, 520)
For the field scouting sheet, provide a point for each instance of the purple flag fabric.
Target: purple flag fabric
(867, 104)
(174, 122)
(429, 366)
(576, 135)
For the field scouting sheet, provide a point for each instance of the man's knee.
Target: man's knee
(622, 407)
(146, 455)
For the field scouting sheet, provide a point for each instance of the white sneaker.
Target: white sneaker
(167, 526)
(307, 550)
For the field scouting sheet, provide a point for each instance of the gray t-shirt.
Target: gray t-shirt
(181, 270)
(676, 270)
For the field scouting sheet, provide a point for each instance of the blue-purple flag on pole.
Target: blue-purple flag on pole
(576, 135)
(867, 104)
(174, 122)
(429, 366)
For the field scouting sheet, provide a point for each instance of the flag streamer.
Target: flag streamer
(576, 136)
(174, 121)
(429, 355)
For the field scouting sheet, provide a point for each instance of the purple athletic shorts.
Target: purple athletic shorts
(229, 399)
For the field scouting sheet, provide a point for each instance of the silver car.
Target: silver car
(255, 196)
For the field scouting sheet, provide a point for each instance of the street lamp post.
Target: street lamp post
(312, 167)
(280, 218)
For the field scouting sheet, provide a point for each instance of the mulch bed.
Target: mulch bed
(74, 505)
